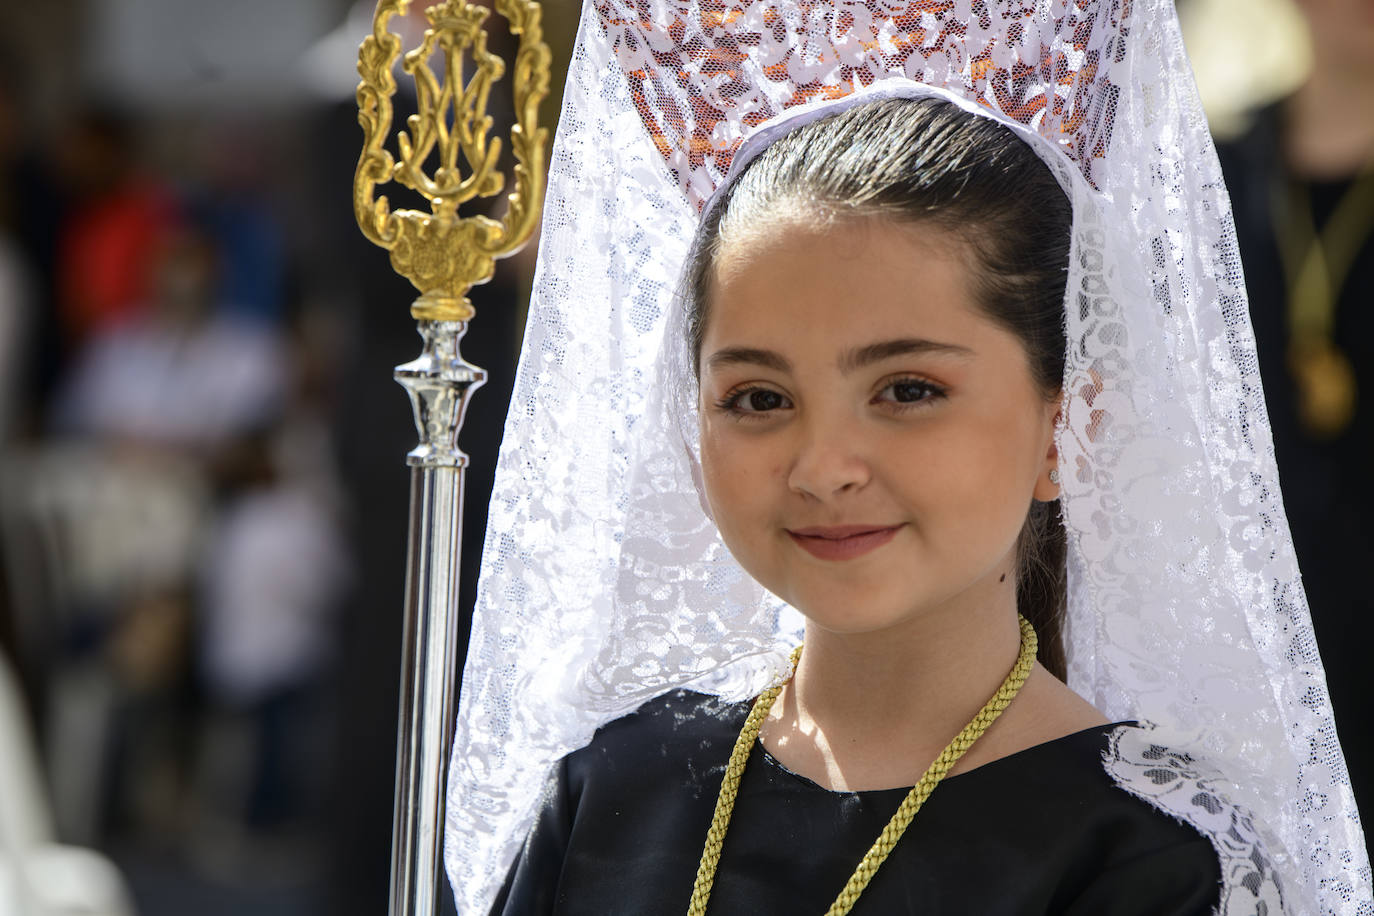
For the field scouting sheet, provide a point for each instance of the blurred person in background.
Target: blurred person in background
(235, 202)
(174, 382)
(116, 218)
(1301, 179)
(179, 369)
(273, 572)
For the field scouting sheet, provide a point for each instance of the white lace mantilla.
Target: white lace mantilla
(1196, 794)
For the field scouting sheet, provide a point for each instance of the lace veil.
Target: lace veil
(604, 582)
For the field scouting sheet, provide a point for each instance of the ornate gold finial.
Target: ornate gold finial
(444, 254)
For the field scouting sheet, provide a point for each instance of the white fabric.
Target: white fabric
(604, 582)
(1192, 793)
(38, 877)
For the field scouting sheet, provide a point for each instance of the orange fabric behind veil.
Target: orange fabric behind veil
(701, 77)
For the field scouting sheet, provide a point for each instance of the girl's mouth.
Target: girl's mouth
(842, 542)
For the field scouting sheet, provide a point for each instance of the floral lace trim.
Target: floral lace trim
(1190, 791)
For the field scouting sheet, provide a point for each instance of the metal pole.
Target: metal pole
(439, 383)
(443, 254)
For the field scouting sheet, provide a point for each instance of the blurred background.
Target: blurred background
(203, 493)
(202, 488)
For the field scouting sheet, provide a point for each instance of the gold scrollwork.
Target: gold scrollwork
(444, 254)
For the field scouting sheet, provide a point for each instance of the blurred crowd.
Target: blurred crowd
(202, 486)
(172, 512)
(174, 532)
(202, 479)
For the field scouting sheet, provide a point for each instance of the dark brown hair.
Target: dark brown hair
(929, 161)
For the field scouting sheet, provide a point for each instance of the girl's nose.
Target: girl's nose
(829, 461)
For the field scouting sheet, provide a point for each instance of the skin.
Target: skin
(937, 438)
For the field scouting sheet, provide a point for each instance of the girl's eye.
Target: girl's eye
(754, 401)
(909, 391)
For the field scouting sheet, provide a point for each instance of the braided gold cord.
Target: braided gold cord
(725, 802)
(937, 771)
(887, 840)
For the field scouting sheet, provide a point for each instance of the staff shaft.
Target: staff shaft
(425, 735)
(439, 383)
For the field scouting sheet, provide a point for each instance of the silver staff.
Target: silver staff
(443, 255)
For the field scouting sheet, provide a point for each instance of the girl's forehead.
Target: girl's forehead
(835, 240)
(842, 281)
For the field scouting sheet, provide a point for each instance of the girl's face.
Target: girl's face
(871, 442)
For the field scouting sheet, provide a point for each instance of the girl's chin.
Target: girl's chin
(854, 616)
(872, 604)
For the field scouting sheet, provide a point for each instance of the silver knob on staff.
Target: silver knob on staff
(444, 255)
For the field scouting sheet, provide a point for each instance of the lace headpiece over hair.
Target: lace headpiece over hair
(604, 582)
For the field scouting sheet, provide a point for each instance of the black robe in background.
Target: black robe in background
(1041, 831)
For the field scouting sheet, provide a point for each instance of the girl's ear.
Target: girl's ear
(1047, 482)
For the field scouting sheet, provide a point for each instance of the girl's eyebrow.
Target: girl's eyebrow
(856, 358)
(906, 346)
(730, 356)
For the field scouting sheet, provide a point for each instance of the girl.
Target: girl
(876, 320)
(932, 369)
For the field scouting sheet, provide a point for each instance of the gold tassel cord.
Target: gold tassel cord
(892, 833)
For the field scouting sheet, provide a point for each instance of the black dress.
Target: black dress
(1044, 830)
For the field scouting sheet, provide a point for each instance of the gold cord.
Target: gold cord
(887, 840)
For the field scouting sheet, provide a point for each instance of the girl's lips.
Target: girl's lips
(842, 542)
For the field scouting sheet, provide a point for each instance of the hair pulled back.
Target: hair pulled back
(929, 161)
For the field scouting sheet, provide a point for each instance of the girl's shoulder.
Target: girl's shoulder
(676, 728)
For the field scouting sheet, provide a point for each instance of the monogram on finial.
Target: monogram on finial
(443, 254)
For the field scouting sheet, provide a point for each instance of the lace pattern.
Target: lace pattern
(702, 75)
(604, 581)
(1187, 790)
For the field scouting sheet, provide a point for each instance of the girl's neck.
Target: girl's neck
(862, 707)
(932, 667)
(871, 711)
